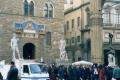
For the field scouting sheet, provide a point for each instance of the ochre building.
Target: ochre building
(87, 27)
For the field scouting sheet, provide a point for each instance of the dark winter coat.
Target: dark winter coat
(1, 77)
(13, 73)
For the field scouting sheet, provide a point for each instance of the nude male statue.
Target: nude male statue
(14, 46)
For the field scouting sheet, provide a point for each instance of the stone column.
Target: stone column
(96, 31)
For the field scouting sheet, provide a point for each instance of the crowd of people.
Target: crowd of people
(72, 72)
(93, 72)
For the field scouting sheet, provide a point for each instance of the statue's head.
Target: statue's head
(62, 37)
(14, 35)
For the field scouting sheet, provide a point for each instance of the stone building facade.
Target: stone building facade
(38, 25)
(111, 21)
(86, 30)
(75, 20)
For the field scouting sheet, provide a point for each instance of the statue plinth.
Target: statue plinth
(111, 64)
(63, 61)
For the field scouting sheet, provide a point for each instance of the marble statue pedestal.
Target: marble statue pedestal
(63, 62)
(112, 64)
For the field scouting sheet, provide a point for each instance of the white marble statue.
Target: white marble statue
(111, 60)
(14, 47)
(62, 44)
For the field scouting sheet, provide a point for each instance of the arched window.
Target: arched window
(65, 31)
(31, 8)
(50, 11)
(88, 15)
(46, 11)
(73, 23)
(107, 15)
(48, 38)
(78, 21)
(67, 25)
(26, 8)
(117, 15)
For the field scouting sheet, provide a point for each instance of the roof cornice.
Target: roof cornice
(74, 9)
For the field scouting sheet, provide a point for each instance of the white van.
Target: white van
(30, 70)
(34, 71)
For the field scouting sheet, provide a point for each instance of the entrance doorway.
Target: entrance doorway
(29, 51)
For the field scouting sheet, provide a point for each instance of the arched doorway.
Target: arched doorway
(29, 51)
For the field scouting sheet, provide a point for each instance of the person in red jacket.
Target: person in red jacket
(101, 72)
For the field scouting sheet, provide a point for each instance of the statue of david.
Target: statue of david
(14, 47)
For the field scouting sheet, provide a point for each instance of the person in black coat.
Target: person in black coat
(70, 73)
(109, 73)
(13, 72)
(1, 77)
